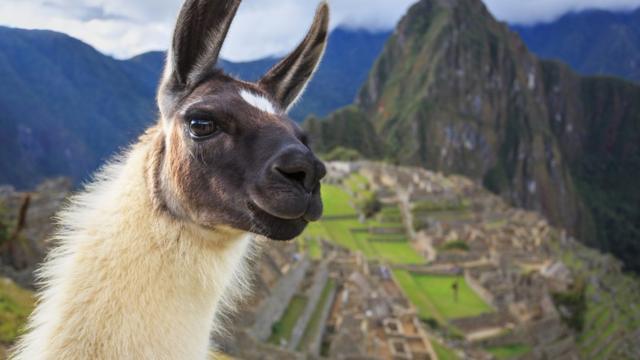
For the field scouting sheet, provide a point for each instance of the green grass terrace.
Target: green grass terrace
(434, 296)
(283, 329)
(15, 306)
(381, 237)
(443, 352)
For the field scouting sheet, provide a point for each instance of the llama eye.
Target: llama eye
(200, 129)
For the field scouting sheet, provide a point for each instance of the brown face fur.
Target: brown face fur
(255, 172)
(226, 179)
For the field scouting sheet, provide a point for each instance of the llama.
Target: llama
(150, 252)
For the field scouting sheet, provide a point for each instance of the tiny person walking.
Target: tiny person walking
(454, 287)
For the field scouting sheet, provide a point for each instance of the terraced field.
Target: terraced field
(443, 352)
(15, 306)
(612, 316)
(434, 296)
(283, 329)
(381, 237)
(313, 328)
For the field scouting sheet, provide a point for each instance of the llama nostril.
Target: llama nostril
(298, 166)
(295, 176)
(299, 173)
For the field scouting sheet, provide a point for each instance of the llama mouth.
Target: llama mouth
(310, 211)
(274, 227)
(256, 209)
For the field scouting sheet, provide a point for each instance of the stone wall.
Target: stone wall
(316, 344)
(249, 348)
(483, 321)
(313, 296)
(272, 308)
(479, 289)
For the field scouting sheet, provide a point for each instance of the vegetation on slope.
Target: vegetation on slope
(314, 323)
(595, 42)
(443, 352)
(606, 308)
(15, 306)
(342, 225)
(283, 329)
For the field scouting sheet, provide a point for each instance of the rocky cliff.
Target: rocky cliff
(459, 92)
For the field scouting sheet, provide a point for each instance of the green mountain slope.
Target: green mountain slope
(456, 91)
(64, 106)
(595, 42)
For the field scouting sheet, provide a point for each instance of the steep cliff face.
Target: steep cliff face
(348, 128)
(456, 91)
(596, 122)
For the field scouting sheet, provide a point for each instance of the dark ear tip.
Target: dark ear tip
(323, 9)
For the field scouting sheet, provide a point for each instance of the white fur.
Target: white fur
(127, 283)
(258, 101)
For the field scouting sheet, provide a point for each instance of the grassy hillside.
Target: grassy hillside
(343, 225)
(15, 306)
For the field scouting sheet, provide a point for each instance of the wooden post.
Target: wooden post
(14, 251)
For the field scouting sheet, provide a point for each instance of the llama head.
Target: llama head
(231, 157)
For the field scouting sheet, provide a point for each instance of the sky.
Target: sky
(125, 28)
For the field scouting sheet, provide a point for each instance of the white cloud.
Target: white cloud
(125, 28)
(273, 27)
(88, 20)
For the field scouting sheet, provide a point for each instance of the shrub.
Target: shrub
(15, 306)
(341, 153)
(455, 245)
(432, 323)
(447, 205)
(573, 304)
(368, 204)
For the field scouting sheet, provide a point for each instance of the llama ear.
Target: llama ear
(200, 31)
(287, 80)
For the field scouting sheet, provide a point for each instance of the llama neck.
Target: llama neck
(128, 282)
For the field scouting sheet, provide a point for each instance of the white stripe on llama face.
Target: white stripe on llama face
(258, 101)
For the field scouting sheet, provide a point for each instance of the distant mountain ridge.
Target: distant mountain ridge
(65, 108)
(457, 91)
(594, 42)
